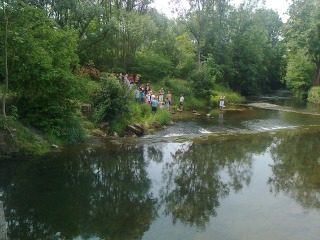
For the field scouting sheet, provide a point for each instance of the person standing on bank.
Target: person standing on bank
(181, 101)
(154, 104)
(221, 102)
(137, 94)
(169, 98)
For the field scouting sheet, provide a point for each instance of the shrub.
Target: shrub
(162, 116)
(203, 79)
(178, 86)
(202, 83)
(314, 95)
(230, 96)
(195, 103)
(152, 66)
(111, 100)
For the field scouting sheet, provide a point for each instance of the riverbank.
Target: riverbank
(17, 139)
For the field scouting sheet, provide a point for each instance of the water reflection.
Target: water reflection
(296, 167)
(107, 193)
(3, 224)
(99, 194)
(194, 185)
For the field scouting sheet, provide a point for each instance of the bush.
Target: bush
(178, 86)
(230, 96)
(152, 66)
(202, 83)
(25, 139)
(314, 95)
(111, 101)
(162, 116)
(195, 103)
(203, 79)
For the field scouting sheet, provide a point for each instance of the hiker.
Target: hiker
(181, 101)
(154, 103)
(169, 98)
(161, 93)
(167, 104)
(142, 95)
(221, 102)
(126, 81)
(137, 94)
(137, 79)
(120, 77)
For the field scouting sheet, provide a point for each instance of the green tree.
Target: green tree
(5, 91)
(40, 59)
(111, 101)
(302, 35)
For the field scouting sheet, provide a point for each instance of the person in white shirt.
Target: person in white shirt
(181, 101)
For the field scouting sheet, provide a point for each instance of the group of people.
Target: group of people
(129, 79)
(145, 94)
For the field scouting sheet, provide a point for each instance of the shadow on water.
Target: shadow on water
(114, 192)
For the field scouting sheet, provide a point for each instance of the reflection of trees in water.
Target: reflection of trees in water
(154, 153)
(193, 182)
(104, 194)
(296, 167)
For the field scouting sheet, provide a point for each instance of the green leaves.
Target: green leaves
(152, 66)
(302, 34)
(111, 100)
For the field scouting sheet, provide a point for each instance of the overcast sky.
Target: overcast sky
(279, 5)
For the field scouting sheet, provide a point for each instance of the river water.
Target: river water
(244, 175)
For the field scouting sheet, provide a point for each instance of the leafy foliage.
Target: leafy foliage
(299, 73)
(302, 34)
(203, 81)
(314, 95)
(152, 66)
(41, 57)
(111, 101)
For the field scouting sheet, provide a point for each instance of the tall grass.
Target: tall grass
(27, 140)
(230, 96)
(140, 113)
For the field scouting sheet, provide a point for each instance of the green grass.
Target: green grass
(139, 113)
(27, 141)
(230, 96)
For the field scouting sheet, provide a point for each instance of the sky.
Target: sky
(279, 5)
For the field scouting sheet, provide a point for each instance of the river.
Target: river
(240, 175)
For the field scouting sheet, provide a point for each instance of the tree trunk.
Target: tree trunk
(199, 54)
(317, 77)
(5, 62)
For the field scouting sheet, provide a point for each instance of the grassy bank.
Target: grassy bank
(179, 86)
(139, 113)
(17, 138)
(230, 96)
(77, 127)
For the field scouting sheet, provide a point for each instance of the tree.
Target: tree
(111, 102)
(5, 60)
(40, 60)
(302, 36)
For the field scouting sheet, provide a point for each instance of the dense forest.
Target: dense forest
(59, 54)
